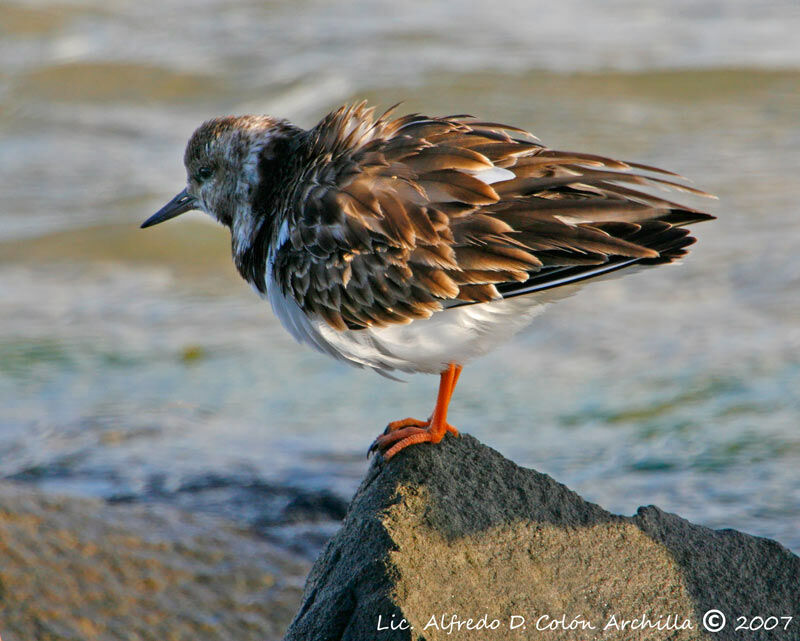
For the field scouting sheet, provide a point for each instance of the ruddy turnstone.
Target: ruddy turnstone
(417, 243)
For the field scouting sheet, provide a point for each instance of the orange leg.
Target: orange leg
(401, 434)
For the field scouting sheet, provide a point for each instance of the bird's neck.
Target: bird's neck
(274, 166)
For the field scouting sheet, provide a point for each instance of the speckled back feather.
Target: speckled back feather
(392, 220)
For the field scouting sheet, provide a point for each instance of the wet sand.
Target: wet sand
(82, 569)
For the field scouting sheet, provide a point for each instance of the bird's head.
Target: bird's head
(221, 162)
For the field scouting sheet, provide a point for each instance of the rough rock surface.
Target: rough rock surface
(458, 530)
(83, 570)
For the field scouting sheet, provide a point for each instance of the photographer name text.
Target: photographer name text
(712, 621)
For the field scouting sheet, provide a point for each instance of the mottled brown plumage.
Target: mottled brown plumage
(389, 222)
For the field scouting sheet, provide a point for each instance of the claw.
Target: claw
(395, 426)
(384, 441)
(373, 446)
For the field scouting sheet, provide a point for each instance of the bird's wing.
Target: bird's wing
(399, 218)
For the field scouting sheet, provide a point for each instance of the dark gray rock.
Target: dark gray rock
(456, 530)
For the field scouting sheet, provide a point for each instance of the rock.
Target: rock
(452, 532)
(81, 569)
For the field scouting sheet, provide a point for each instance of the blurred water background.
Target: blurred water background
(136, 366)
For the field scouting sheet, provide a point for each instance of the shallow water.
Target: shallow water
(135, 364)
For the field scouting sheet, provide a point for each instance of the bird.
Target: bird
(416, 243)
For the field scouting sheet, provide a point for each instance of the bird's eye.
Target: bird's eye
(204, 173)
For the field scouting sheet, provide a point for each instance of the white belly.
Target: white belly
(455, 335)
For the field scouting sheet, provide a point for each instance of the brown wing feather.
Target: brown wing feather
(394, 224)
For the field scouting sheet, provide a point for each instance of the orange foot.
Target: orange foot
(401, 434)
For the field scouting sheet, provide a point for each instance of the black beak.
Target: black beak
(182, 203)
